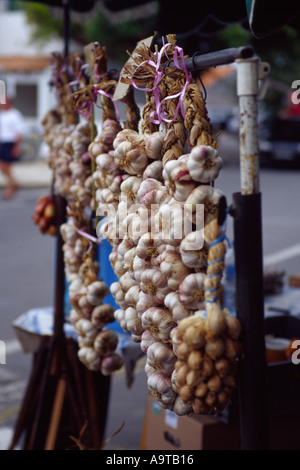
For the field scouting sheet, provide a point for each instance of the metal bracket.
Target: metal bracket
(263, 71)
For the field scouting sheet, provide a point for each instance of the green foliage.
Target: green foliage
(44, 24)
(116, 37)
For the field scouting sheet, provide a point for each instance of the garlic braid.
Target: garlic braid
(208, 345)
(196, 118)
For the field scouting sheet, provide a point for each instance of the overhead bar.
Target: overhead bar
(213, 59)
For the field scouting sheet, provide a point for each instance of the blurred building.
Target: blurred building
(25, 65)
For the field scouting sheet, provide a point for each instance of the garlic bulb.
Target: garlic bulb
(154, 284)
(130, 154)
(161, 358)
(194, 250)
(178, 180)
(160, 387)
(154, 170)
(133, 322)
(118, 293)
(154, 144)
(204, 164)
(132, 296)
(111, 363)
(96, 291)
(179, 311)
(145, 301)
(148, 185)
(102, 315)
(159, 322)
(90, 358)
(149, 247)
(170, 223)
(146, 340)
(173, 268)
(129, 189)
(105, 342)
(191, 291)
(203, 195)
(86, 330)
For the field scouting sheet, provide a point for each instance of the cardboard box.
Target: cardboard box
(164, 430)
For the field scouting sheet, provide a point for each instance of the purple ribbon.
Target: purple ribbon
(178, 54)
(84, 234)
(86, 108)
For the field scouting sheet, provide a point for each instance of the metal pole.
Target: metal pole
(249, 268)
(213, 59)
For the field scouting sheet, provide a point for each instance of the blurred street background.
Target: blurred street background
(27, 282)
(27, 258)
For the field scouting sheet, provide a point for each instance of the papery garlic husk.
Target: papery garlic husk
(102, 315)
(205, 195)
(178, 180)
(204, 163)
(159, 322)
(154, 284)
(68, 233)
(161, 357)
(105, 342)
(191, 291)
(111, 363)
(160, 387)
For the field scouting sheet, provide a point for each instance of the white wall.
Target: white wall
(15, 37)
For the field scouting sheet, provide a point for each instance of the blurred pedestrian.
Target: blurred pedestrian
(11, 131)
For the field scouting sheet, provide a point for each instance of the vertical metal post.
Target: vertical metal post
(249, 268)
